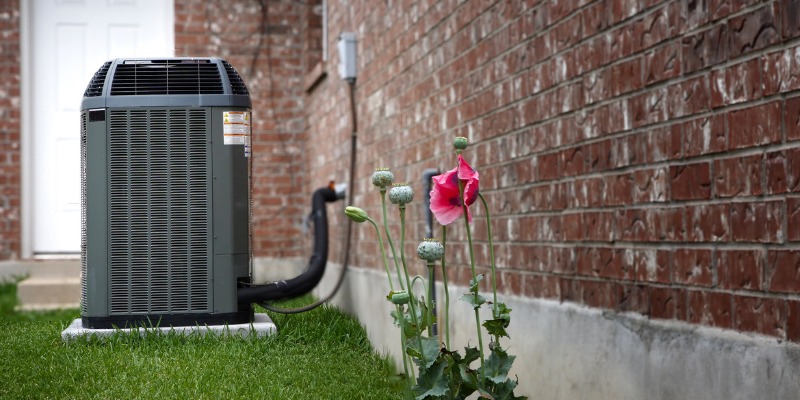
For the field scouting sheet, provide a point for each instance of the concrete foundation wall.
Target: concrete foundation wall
(568, 351)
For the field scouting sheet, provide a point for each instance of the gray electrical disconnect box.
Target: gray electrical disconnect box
(164, 193)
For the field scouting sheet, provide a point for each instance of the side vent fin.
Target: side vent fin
(95, 87)
(237, 84)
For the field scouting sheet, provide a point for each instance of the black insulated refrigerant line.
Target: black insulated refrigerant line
(309, 279)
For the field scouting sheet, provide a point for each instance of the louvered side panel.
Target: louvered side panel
(158, 242)
(84, 261)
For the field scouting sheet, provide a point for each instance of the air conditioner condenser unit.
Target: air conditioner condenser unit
(165, 198)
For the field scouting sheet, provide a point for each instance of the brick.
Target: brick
(662, 64)
(599, 294)
(753, 31)
(783, 271)
(755, 126)
(692, 267)
(574, 161)
(634, 298)
(743, 82)
(600, 262)
(689, 97)
(651, 185)
(790, 12)
(740, 269)
(793, 321)
(542, 286)
(667, 223)
(705, 135)
(791, 118)
(690, 182)
(650, 265)
(710, 308)
(588, 193)
(663, 143)
(694, 13)
(761, 315)
(667, 303)
(705, 48)
(777, 175)
(793, 219)
(598, 226)
(708, 223)
(757, 222)
(738, 176)
(619, 190)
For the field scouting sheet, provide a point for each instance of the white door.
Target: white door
(70, 40)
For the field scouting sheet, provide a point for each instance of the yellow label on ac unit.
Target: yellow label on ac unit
(236, 127)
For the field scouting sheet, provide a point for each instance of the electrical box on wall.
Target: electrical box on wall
(347, 56)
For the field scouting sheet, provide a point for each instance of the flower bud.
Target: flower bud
(399, 297)
(356, 214)
(430, 250)
(460, 143)
(382, 177)
(401, 194)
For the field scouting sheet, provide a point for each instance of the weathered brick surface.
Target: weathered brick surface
(637, 156)
(9, 131)
(642, 156)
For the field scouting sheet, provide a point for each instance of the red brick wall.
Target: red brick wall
(265, 45)
(9, 131)
(638, 155)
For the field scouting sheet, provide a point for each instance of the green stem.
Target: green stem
(389, 237)
(383, 254)
(491, 258)
(446, 292)
(431, 288)
(408, 281)
(402, 319)
(474, 275)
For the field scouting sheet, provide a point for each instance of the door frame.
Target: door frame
(26, 207)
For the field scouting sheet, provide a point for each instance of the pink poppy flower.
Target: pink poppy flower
(446, 203)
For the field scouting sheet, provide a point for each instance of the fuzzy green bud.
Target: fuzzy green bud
(356, 214)
(430, 250)
(401, 194)
(382, 178)
(399, 297)
(460, 143)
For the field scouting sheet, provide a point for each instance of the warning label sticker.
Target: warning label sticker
(236, 127)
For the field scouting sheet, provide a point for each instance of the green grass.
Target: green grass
(321, 354)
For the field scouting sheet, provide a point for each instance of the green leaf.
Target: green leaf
(471, 354)
(496, 327)
(505, 391)
(475, 300)
(432, 383)
(500, 311)
(469, 377)
(473, 283)
(430, 350)
(497, 365)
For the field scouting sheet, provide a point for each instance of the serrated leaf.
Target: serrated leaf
(469, 377)
(473, 283)
(497, 365)
(501, 311)
(429, 351)
(505, 391)
(471, 354)
(475, 300)
(432, 383)
(496, 327)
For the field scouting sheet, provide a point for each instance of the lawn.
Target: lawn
(321, 354)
